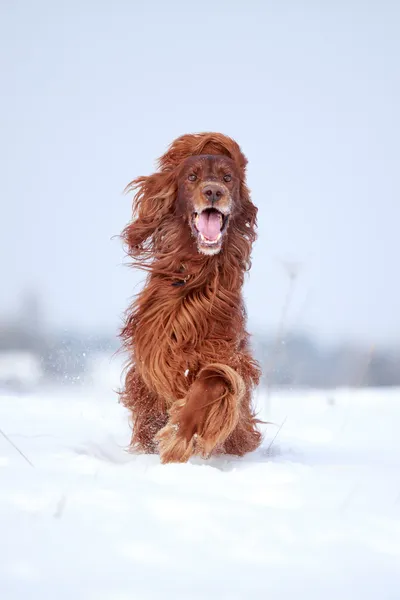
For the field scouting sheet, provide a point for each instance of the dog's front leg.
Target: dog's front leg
(204, 419)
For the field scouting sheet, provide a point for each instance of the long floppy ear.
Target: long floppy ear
(153, 201)
(245, 226)
(248, 213)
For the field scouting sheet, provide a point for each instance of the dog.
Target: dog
(191, 373)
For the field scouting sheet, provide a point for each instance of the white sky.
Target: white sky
(93, 92)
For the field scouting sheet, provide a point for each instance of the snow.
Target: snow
(315, 515)
(19, 369)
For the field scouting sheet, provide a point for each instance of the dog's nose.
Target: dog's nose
(213, 192)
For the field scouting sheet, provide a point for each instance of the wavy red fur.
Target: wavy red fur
(191, 373)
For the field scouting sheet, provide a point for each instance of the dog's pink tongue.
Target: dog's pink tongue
(209, 224)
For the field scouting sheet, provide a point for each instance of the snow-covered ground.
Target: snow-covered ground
(315, 515)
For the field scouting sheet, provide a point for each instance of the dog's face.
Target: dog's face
(208, 195)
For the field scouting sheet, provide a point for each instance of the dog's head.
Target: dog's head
(208, 196)
(200, 193)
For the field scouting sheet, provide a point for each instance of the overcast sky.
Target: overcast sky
(93, 92)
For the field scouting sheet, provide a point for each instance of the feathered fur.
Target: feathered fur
(191, 372)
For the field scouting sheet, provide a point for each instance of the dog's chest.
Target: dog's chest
(201, 316)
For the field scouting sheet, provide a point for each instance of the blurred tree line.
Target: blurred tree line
(299, 361)
(294, 360)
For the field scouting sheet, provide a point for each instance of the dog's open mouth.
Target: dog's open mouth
(210, 225)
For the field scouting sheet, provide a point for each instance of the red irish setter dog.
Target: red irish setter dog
(191, 373)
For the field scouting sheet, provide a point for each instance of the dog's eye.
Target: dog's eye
(227, 178)
(192, 177)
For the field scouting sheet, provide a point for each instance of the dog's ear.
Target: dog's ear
(153, 201)
(244, 226)
(248, 213)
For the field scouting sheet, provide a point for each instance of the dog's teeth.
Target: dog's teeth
(210, 242)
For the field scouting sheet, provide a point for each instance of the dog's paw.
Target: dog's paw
(173, 446)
